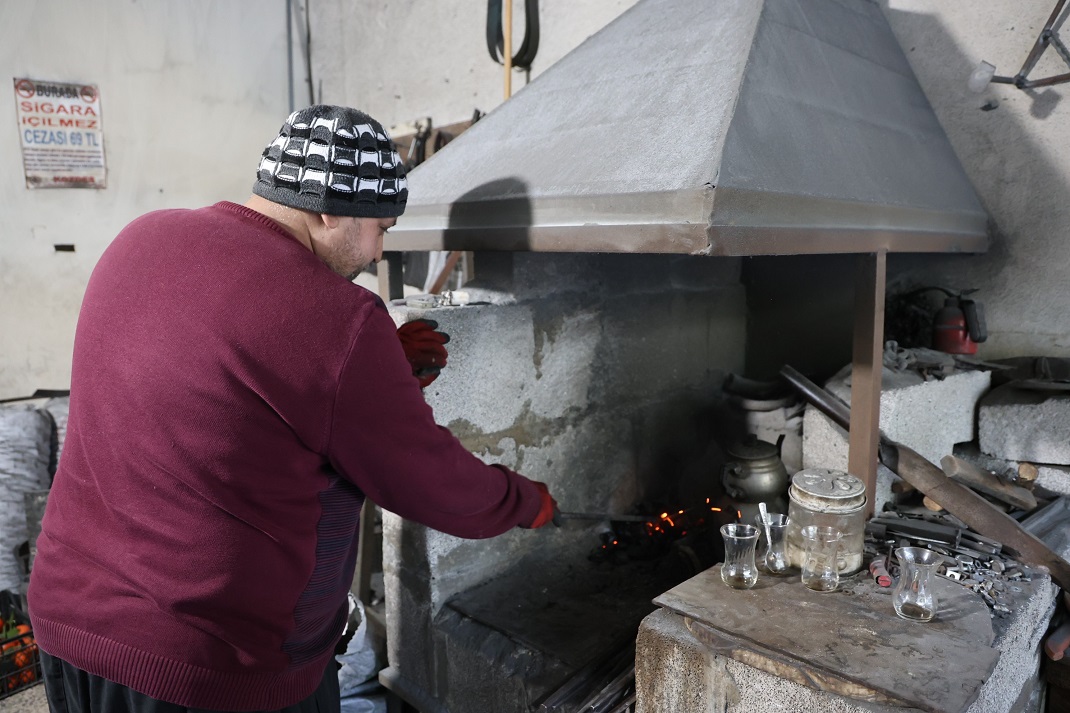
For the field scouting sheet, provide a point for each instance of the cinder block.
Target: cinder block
(1025, 425)
(928, 416)
(1018, 638)
(675, 672)
(1054, 478)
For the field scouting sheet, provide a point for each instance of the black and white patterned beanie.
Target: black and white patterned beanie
(333, 160)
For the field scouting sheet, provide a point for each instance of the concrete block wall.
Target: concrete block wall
(579, 376)
(928, 416)
(1025, 425)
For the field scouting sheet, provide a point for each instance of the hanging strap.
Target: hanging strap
(525, 55)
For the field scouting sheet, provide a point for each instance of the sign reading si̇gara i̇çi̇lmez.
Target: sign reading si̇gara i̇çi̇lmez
(61, 134)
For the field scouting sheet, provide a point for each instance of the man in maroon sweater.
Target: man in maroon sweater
(234, 399)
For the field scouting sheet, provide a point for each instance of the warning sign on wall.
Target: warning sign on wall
(61, 134)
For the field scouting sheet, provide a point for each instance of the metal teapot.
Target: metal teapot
(754, 471)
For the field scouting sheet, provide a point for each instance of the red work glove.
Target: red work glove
(424, 348)
(547, 506)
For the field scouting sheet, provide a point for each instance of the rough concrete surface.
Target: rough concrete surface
(928, 416)
(1025, 425)
(1018, 638)
(32, 700)
(674, 671)
(1054, 478)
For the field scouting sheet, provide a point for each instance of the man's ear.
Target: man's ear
(330, 221)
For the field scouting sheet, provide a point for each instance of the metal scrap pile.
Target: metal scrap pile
(970, 559)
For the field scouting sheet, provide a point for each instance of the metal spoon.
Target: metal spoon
(765, 520)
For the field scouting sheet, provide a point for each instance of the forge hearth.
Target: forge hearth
(549, 623)
(519, 638)
(600, 375)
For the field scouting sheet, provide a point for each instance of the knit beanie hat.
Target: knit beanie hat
(333, 160)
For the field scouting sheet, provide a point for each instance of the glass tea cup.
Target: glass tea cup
(912, 595)
(821, 547)
(739, 570)
(775, 559)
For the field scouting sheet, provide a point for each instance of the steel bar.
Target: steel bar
(580, 683)
(1046, 82)
(825, 402)
(1061, 49)
(1042, 41)
(609, 693)
(626, 704)
(604, 516)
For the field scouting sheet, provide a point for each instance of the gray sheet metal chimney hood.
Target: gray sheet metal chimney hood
(713, 127)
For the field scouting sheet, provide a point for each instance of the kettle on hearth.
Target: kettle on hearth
(754, 472)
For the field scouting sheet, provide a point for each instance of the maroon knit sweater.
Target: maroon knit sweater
(232, 402)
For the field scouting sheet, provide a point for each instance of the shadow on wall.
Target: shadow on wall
(1011, 145)
(498, 213)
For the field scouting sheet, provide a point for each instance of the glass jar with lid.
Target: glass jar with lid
(827, 498)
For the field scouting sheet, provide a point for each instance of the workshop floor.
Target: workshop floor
(32, 700)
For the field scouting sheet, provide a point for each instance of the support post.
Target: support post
(866, 365)
(390, 278)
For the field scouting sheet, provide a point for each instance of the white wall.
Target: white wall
(1017, 155)
(191, 92)
(193, 89)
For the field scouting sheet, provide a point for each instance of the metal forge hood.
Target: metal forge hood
(716, 127)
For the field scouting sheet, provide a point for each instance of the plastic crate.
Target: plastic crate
(20, 665)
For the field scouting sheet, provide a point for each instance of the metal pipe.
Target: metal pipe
(290, 53)
(1042, 41)
(825, 402)
(507, 47)
(1060, 48)
(1047, 82)
(308, 51)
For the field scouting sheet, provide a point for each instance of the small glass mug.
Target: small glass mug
(821, 546)
(912, 596)
(776, 557)
(739, 570)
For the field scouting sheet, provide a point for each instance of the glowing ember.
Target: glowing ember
(654, 538)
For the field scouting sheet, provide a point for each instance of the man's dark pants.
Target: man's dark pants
(72, 690)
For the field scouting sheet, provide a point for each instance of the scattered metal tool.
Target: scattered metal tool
(560, 517)
(956, 498)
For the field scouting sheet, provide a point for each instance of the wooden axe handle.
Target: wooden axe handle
(972, 509)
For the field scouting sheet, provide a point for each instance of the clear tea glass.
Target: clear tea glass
(821, 549)
(912, 596)
(739, 570)
(775, 558)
